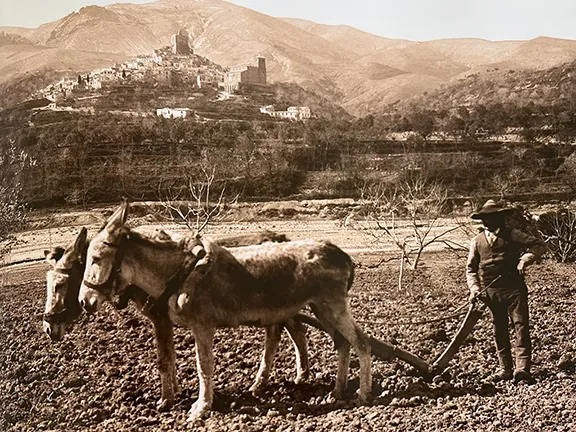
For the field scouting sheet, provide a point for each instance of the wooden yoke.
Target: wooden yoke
(466, 328)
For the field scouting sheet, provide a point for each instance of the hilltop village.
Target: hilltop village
(174, 66)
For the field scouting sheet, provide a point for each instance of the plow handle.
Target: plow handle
(465, 329)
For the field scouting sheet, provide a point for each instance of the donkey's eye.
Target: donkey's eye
(96, 259)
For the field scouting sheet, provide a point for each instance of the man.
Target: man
(495, 271)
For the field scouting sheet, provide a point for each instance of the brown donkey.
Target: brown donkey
(262, 285)
(62, 310)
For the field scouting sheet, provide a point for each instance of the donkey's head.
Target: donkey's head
(103, 261)
(62, 286)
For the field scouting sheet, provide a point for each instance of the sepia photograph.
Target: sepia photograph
(299, 216)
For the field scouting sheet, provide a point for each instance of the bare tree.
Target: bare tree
(558, 228)
(13, 210)
(509, 180)
(567, 172)
(13, 217)
(196, 203)
(410, 216)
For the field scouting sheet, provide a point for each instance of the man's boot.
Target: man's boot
(522, 375)
(522, 371)
(505, 361)
(503, 375)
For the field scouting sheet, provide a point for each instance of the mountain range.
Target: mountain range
(360, 71)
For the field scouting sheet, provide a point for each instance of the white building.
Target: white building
(172, 113)
(292, 113)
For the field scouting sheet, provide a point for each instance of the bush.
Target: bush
(12, 217)
(559, 230)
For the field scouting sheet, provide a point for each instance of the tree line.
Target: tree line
(77, 159)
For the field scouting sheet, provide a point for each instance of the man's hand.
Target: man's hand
(525, 260)
(522, 266)
(474, 293)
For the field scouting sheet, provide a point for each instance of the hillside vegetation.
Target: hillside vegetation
(507, 86)
(76, 158)
(536, 106)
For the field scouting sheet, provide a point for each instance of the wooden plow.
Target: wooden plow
(387, 351)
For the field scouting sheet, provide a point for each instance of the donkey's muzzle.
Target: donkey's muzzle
(90, 300)
(90, 305)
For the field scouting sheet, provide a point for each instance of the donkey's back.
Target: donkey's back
(266, 284)
(302, 262)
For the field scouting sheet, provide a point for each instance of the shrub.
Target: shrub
(559, 230)
(12, 217)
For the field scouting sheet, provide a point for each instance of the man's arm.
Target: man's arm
(534, 246)
(472, 265)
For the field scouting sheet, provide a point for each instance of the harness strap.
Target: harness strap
(175, 282)
(102, 286)
(56, 318)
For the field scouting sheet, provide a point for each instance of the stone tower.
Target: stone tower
(261, 70)
(182, 43)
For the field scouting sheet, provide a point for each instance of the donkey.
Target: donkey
(262, 285)
(62, 286)
(62, 309)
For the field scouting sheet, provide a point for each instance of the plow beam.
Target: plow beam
(466, 328)
(383, 350)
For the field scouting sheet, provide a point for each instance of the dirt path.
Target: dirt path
(354, 240)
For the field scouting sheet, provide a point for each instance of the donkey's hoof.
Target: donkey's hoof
(364, 399)
(257, 388)
(164, 405)
(302, 378)
(197, 411)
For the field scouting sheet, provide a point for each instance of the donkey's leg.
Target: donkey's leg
(343, 369)
(166, 358)
(339, 316)
(205, 365)
(273, 334)
(297, 332)
(346, 325)
(341, 344)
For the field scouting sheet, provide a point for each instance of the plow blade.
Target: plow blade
(383, 350)
(466, 328)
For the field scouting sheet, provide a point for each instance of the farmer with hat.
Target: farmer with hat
(497, 262)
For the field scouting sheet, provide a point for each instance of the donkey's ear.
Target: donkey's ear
(119, 217)
(80, 244)
(53, 256)
(81, 240)
(124, 210)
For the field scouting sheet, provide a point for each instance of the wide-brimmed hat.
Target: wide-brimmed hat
(491, 207)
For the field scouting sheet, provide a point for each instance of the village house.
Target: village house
(292, 113)
(173, 113)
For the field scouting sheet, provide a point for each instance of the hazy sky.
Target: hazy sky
(399, 19)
